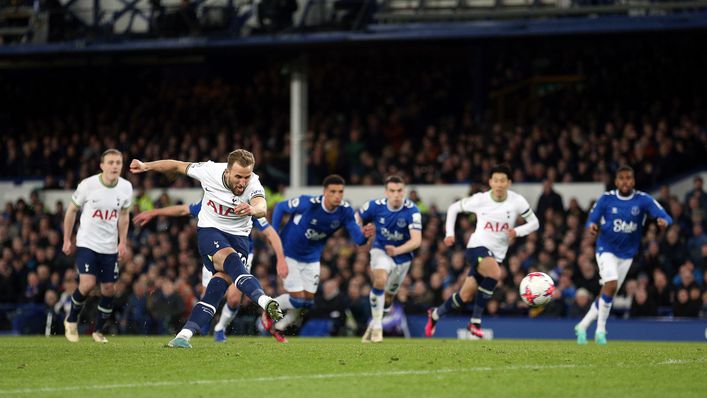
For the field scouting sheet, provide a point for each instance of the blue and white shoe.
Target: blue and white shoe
(220, 336)
(600, 338)
(581, 335)
(178, 342)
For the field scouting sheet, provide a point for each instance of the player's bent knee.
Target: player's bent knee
(219, 258)
(107, 289)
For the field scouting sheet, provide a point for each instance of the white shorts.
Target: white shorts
(612, 268)
(396, 272)
(301, 276)
(206, 274)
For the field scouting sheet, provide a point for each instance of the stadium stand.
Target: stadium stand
(567, 109)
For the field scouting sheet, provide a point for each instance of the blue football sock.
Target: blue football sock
(77, 302)
(452, 304)
(483, 295)
(205, 309)
(244, 281)
(105, 309)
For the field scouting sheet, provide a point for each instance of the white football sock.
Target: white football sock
(284, 301)
(590, 317)
(226, 318)
(377, 303)
(290, 317)
(435, 315)
(264, 300)
(185, 334)
(604, 309)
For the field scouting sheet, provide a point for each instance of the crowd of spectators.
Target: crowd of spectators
(365, 122)
(365, 119)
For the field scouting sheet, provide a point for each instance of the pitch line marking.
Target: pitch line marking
(307, 377)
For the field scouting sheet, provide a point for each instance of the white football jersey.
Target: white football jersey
(219, 202)
(100, 208)
(493, 220)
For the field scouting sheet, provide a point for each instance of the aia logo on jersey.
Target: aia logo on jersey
(105, 215)
(496, 226)
(221, 210)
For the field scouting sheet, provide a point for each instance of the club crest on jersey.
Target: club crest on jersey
(635, 210)
(401, 222)
(335, 224)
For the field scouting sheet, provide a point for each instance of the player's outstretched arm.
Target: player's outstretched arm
(286, 206)
(452, 213)
(258, 208)
(532, 224)
(69, 220)
(276, 244)
(412, 244)
(123, 223)
(162, 166)
(657, 211)
(169, 211)
(354, 230)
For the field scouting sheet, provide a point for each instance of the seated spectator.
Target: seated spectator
(583, 299)
(643, 305)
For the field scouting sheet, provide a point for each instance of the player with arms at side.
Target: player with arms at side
(618, 218)
(101, 240)
(496, 214)
(232, 195)
(313, 219)
(398, 225)
(233, 295)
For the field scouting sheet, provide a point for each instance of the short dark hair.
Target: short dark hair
(624, 168)
(502, 168)
(334, 179)
(110, 151)
(395, 179)
(242, 157)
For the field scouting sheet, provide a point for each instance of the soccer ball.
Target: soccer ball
(536, 289)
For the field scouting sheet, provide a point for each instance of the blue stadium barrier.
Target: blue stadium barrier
(559, 328)
(22, 318)
(316, 328)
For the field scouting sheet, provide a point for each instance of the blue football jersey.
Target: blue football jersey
(621, 221)
(392, 226)
(310, 225)
(260, 223)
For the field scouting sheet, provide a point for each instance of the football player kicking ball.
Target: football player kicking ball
(618, 217)
(398, 225)
(233, 295)
(496, 213)
(232, 195)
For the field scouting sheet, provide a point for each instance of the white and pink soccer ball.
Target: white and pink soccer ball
(536, 289)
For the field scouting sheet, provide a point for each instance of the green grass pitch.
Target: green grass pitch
(340, 367)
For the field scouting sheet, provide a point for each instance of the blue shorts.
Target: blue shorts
(103, 266)
(474, 255)
(211, 240)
